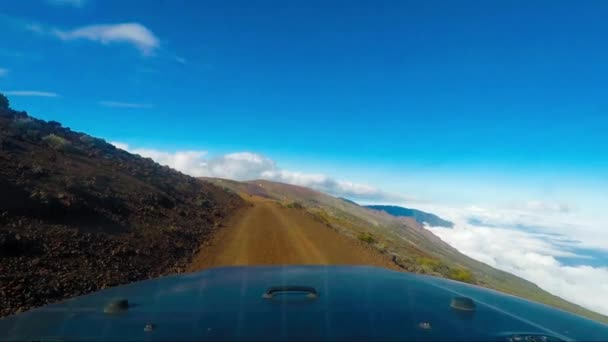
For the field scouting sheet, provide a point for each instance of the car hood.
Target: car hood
(352, 303)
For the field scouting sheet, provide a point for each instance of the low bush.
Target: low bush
(436, 266)
(366, 237)
(461, 274)
(295, 205)
(323, 217)
(430, 263)
(433, 266)
(56, 142)
(381, 247)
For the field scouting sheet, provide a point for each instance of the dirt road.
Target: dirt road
(268, 234)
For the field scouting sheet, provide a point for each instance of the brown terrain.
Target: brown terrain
(267, 233)
(78, 215)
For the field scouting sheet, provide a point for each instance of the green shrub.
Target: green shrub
(436, 266)
(461, 274)
(432, 264)
(295, 205)
(366, 237)
(381, 247)
(323, 217)
(56, 142)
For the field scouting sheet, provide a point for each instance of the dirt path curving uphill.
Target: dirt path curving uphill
(268, 234)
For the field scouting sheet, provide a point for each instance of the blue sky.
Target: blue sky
(503, 91)
(467, 108)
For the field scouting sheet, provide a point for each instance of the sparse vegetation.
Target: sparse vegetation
(322, 216)
(228, 190)
(366, 237)
(429, 265)
(56, 142)
(90, 141)
(204, 203)
(295, 205)
(462, 274)
(381, 247)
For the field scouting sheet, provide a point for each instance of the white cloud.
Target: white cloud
(543, 206)
(29, 93)
(3, 72)
(130, 33)
(189, 162)
(180, 60)
(240, 166)
(248, 166)
(532, 255)
(73, 3)
(117, 104)
(120, 145)
(330, 185)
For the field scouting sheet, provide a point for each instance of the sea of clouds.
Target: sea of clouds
(545, 244)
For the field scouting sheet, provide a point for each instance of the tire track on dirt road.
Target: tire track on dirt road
(269, 234)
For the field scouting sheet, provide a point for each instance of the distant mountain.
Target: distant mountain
(419, 215)
(348, 201)
(411, 248)
(78, 215)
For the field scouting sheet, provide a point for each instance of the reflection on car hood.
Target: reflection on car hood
(352, 303)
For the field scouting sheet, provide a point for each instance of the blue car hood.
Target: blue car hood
(352, 303)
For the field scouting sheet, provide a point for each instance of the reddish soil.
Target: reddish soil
(266, 233)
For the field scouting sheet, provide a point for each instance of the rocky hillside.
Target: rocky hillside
(78, 215)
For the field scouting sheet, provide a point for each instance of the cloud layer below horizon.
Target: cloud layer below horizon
(534, 242)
